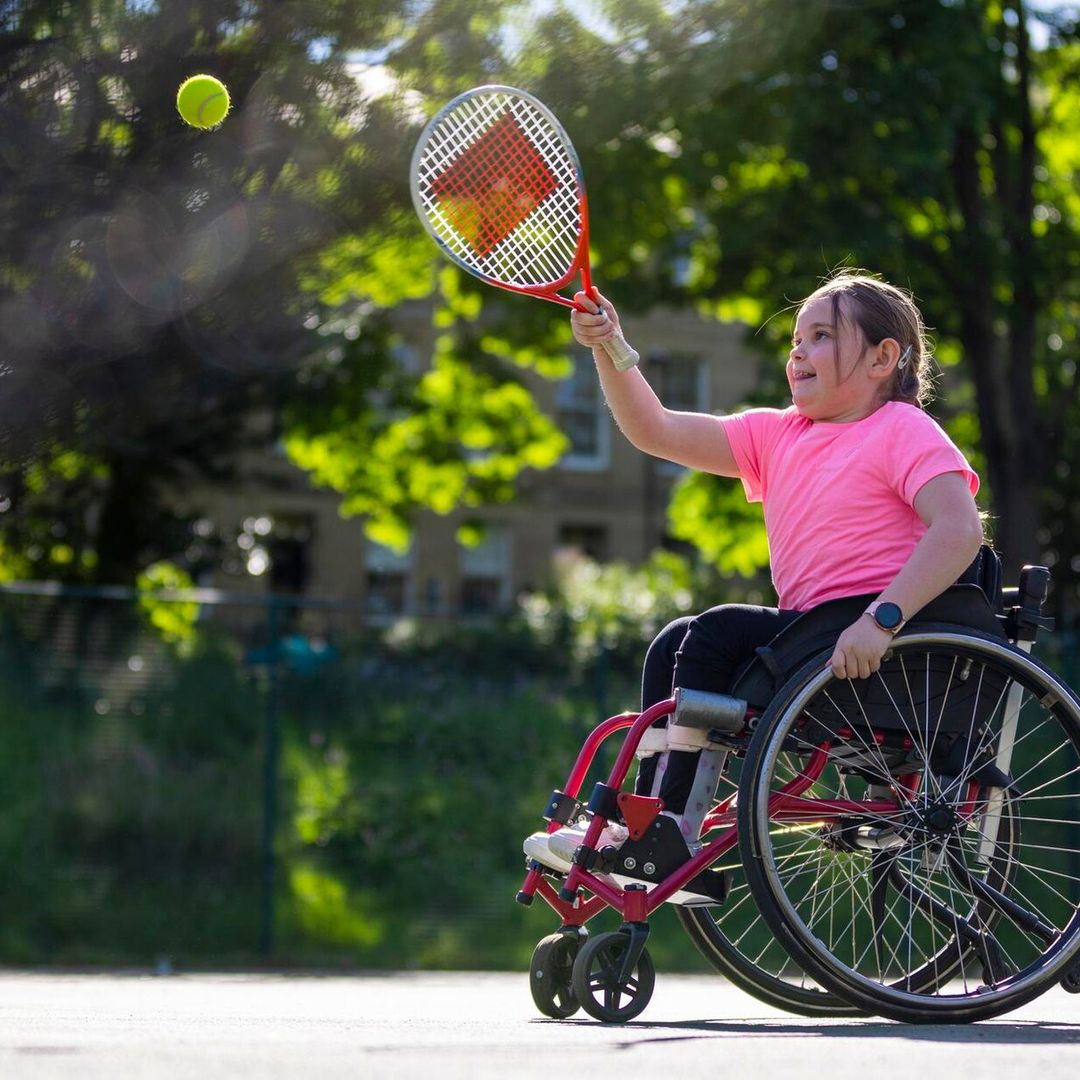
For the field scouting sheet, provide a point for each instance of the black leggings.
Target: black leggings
(701, 652)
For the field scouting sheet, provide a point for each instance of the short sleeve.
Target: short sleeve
(922, 451)
(750, 435)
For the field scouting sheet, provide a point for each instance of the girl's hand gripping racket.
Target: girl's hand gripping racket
(496, 182)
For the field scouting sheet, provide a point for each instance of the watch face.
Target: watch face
(888, 616)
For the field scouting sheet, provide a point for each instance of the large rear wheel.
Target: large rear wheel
(935, 910)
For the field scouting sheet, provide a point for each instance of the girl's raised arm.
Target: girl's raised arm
(696, 440)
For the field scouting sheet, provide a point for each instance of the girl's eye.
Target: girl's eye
(822, 334)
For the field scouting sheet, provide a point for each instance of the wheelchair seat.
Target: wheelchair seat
(975, 602)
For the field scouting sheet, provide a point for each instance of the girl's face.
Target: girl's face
(829, 369)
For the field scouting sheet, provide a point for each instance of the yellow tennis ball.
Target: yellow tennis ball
(202, 101)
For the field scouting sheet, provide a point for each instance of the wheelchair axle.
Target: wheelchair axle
(852, 835)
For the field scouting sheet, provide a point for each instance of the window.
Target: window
(290, 542)
(387, 579)
(680, 383)
(588, 540)
(582, 416)
(485, 573)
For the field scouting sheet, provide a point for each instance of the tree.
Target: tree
(748, 149)
(159, 285)
(166, 293)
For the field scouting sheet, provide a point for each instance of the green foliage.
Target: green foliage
(712, 514)
(610, 612)
(383, 267)
(132, 784)
(45, 504)
(165, 290)
(411, 766)
(462, 438)
(174, 621)
(327, 911)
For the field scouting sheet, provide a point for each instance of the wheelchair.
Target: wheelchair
(906, 845)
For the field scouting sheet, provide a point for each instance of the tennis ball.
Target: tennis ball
(202, 101)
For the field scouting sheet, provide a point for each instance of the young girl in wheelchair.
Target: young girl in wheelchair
(864, 495)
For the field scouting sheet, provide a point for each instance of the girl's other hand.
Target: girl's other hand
(859, 650)
(597, 324)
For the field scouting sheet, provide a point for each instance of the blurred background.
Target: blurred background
(317, 559)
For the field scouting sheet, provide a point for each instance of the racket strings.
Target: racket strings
(494, 185)
(545, 250)
(501, 191)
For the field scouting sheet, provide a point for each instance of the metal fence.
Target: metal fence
(233, 777)
(209, 778)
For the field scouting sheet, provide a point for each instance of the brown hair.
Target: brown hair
(879, 310)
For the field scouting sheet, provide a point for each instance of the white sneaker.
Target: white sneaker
(538, 847)
(565, 841)
(556, 850)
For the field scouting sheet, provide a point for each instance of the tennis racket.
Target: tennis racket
(497, 184)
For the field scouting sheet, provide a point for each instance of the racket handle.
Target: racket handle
(622, 355)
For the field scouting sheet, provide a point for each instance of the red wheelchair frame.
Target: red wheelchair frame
(635, 905)
(909, 811)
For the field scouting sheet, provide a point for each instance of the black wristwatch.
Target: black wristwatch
(887, 615)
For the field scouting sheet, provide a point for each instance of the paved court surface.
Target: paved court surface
(247, 1027)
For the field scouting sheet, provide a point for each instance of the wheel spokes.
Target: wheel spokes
(937, 891)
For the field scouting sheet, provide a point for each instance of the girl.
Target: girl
(863, 494)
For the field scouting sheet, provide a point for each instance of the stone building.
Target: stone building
(604, 498)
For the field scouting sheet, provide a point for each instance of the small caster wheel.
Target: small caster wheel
(550, 972)
(596, 979)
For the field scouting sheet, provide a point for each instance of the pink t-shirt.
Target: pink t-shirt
(838, 498)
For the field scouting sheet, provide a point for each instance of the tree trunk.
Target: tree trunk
(1001, 364)
(122, 526)
(1025, 472)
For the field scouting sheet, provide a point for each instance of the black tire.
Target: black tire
(603, 994)
(550, 973)
(961, 927)
(735, 939)
(766, 972)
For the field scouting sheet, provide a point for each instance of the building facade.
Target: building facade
(604, 499)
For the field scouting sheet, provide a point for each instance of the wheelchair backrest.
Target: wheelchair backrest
(985, 572)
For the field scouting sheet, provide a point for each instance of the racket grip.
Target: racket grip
(622, 355)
